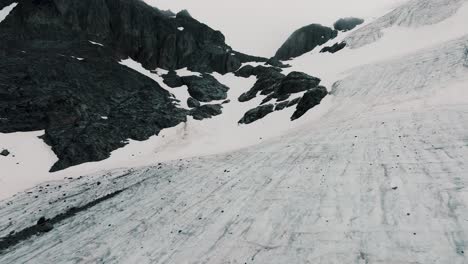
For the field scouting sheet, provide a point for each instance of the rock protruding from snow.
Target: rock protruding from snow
(205, 88)
(415, 13)
(310, 99)
(5, 152)
(206, 111)
(192, 103)
(334, 48)
(304, 40)
(257, 113)
(276, 86)
(348, 23)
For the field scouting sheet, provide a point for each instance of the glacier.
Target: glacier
(375, 174)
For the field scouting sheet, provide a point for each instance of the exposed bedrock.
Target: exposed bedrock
(334, 48)
(257, 113)
(304, 40)
(276, 86)
(87, 108)
(348, 23)
(310, 99)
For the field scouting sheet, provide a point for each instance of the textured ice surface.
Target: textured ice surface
(380, 178)
(415, 13)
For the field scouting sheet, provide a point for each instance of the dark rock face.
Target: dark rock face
(205, 88)
(346, 24)
(257, 113)
(206, 111)
(5, 153)
(192, 103)
(46, 89)
(310, 99)
(172, 80)
(52, 78)
(334, 48)
(304, 40)
(277, 86)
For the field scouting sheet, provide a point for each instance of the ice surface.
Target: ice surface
(375, 174)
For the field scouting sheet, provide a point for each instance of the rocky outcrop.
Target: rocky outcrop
(192, 103)
(206, 111)
(275, 85)
(310, 99)
(348, 23)
(334, 48)
(205, 88)
(45, 88)
(257, 113)
(131, 28)
(5, 153)
(304, 40)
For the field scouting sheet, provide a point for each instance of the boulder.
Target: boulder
(205, 88)
(310, 99)
(348, 23)
(257, 113)
(5, 153)
(304, 40)
(334, 48)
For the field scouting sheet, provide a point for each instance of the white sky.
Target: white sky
(259, 27)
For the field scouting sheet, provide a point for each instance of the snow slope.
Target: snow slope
(375, 174)
(378, 180)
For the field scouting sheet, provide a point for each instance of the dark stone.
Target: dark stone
(257, 113)
(131, 28)
(334, 48)
(172, 80)
(46, 89)
(267, 80)
(5, 152)
(277, 63)
(259, 71)
(281, 106)
(304, 40)
(192, 103)
(44, 226)
(346, 24)
(206, 111)
(310, 99)
(205, 88)
(296, 82)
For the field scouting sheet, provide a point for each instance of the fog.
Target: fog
(260, 26)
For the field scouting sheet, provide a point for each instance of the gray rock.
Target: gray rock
(310, 99)
(257, 113)
(206, 111)
(5, 152)
(348, 23)
(192, 103)
(334, 48)
(172, 80)
(205, 88)
(304, 40)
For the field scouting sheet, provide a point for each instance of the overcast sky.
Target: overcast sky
(259, 27)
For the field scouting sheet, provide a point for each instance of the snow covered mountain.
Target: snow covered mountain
(375, 173)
